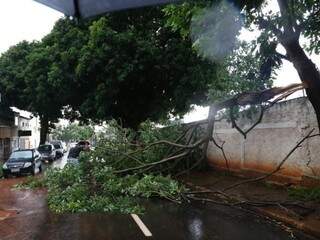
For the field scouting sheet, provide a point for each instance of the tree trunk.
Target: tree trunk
(44, 123)
(209, 131)
(308, 73)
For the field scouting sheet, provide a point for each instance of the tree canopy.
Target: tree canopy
(128, 65)
(141, 69)
(73, 132)
(277, 27)
(142, 64)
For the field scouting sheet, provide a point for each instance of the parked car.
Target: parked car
(73, 156)
(20, 162)
(61, 143)
(59, 149)
(48, 152)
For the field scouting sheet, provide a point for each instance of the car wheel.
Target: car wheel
(5, 175)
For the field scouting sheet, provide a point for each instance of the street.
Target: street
(24, 215)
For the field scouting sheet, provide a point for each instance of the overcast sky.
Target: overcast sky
(29, 20)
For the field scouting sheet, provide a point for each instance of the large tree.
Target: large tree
(127, 65)
(12, 81)
(284, 27)
(39, 77)
(26, 84)
(136, 68)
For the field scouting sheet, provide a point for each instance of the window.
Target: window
(21, 155)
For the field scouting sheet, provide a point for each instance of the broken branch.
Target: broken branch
(278, 168)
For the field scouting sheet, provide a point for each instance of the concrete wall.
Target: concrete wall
(282, 127)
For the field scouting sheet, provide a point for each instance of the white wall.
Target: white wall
(282, 127)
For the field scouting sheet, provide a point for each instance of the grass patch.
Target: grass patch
(32, 183)
(306, 194)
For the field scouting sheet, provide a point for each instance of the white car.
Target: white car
(59, 149)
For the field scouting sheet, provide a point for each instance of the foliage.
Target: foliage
(31, 183)
(94, 184)
(122, 148)
(214, 27)
(306, 194)
(101, 68)
(73, 132)
(72, 190)
(12, 66)
(135, 62)
(179, 16)
(296, 18)
(24, 77)
(242, 71)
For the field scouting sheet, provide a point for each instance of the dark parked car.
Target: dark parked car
(73, 156)
(23, 162)
(48, 152)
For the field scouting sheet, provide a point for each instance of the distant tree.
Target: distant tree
(39, 76)
(45, 92)
(12, 79)
(73, 132)
(26, 84)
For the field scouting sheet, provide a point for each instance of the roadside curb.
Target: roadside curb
(309, 226)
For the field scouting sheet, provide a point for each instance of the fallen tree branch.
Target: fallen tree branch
(153, 163)
(245, 132)
(254, 98)
(285, 92)
(221, 147)
(278, 168)
(234, 201)
(193, 127)
(192, 146)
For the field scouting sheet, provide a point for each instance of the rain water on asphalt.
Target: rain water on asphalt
(24, 215)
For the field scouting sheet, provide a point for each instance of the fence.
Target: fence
(282, 127)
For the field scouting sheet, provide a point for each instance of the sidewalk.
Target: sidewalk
(305, 216)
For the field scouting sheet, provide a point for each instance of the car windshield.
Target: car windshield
(21, 156)
(44, 148)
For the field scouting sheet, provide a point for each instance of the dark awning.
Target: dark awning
(89, 8)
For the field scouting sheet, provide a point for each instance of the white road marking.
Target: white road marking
(141, 225)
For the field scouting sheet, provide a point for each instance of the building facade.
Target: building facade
(18, 130)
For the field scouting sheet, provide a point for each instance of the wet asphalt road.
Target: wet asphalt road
(24, 215)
